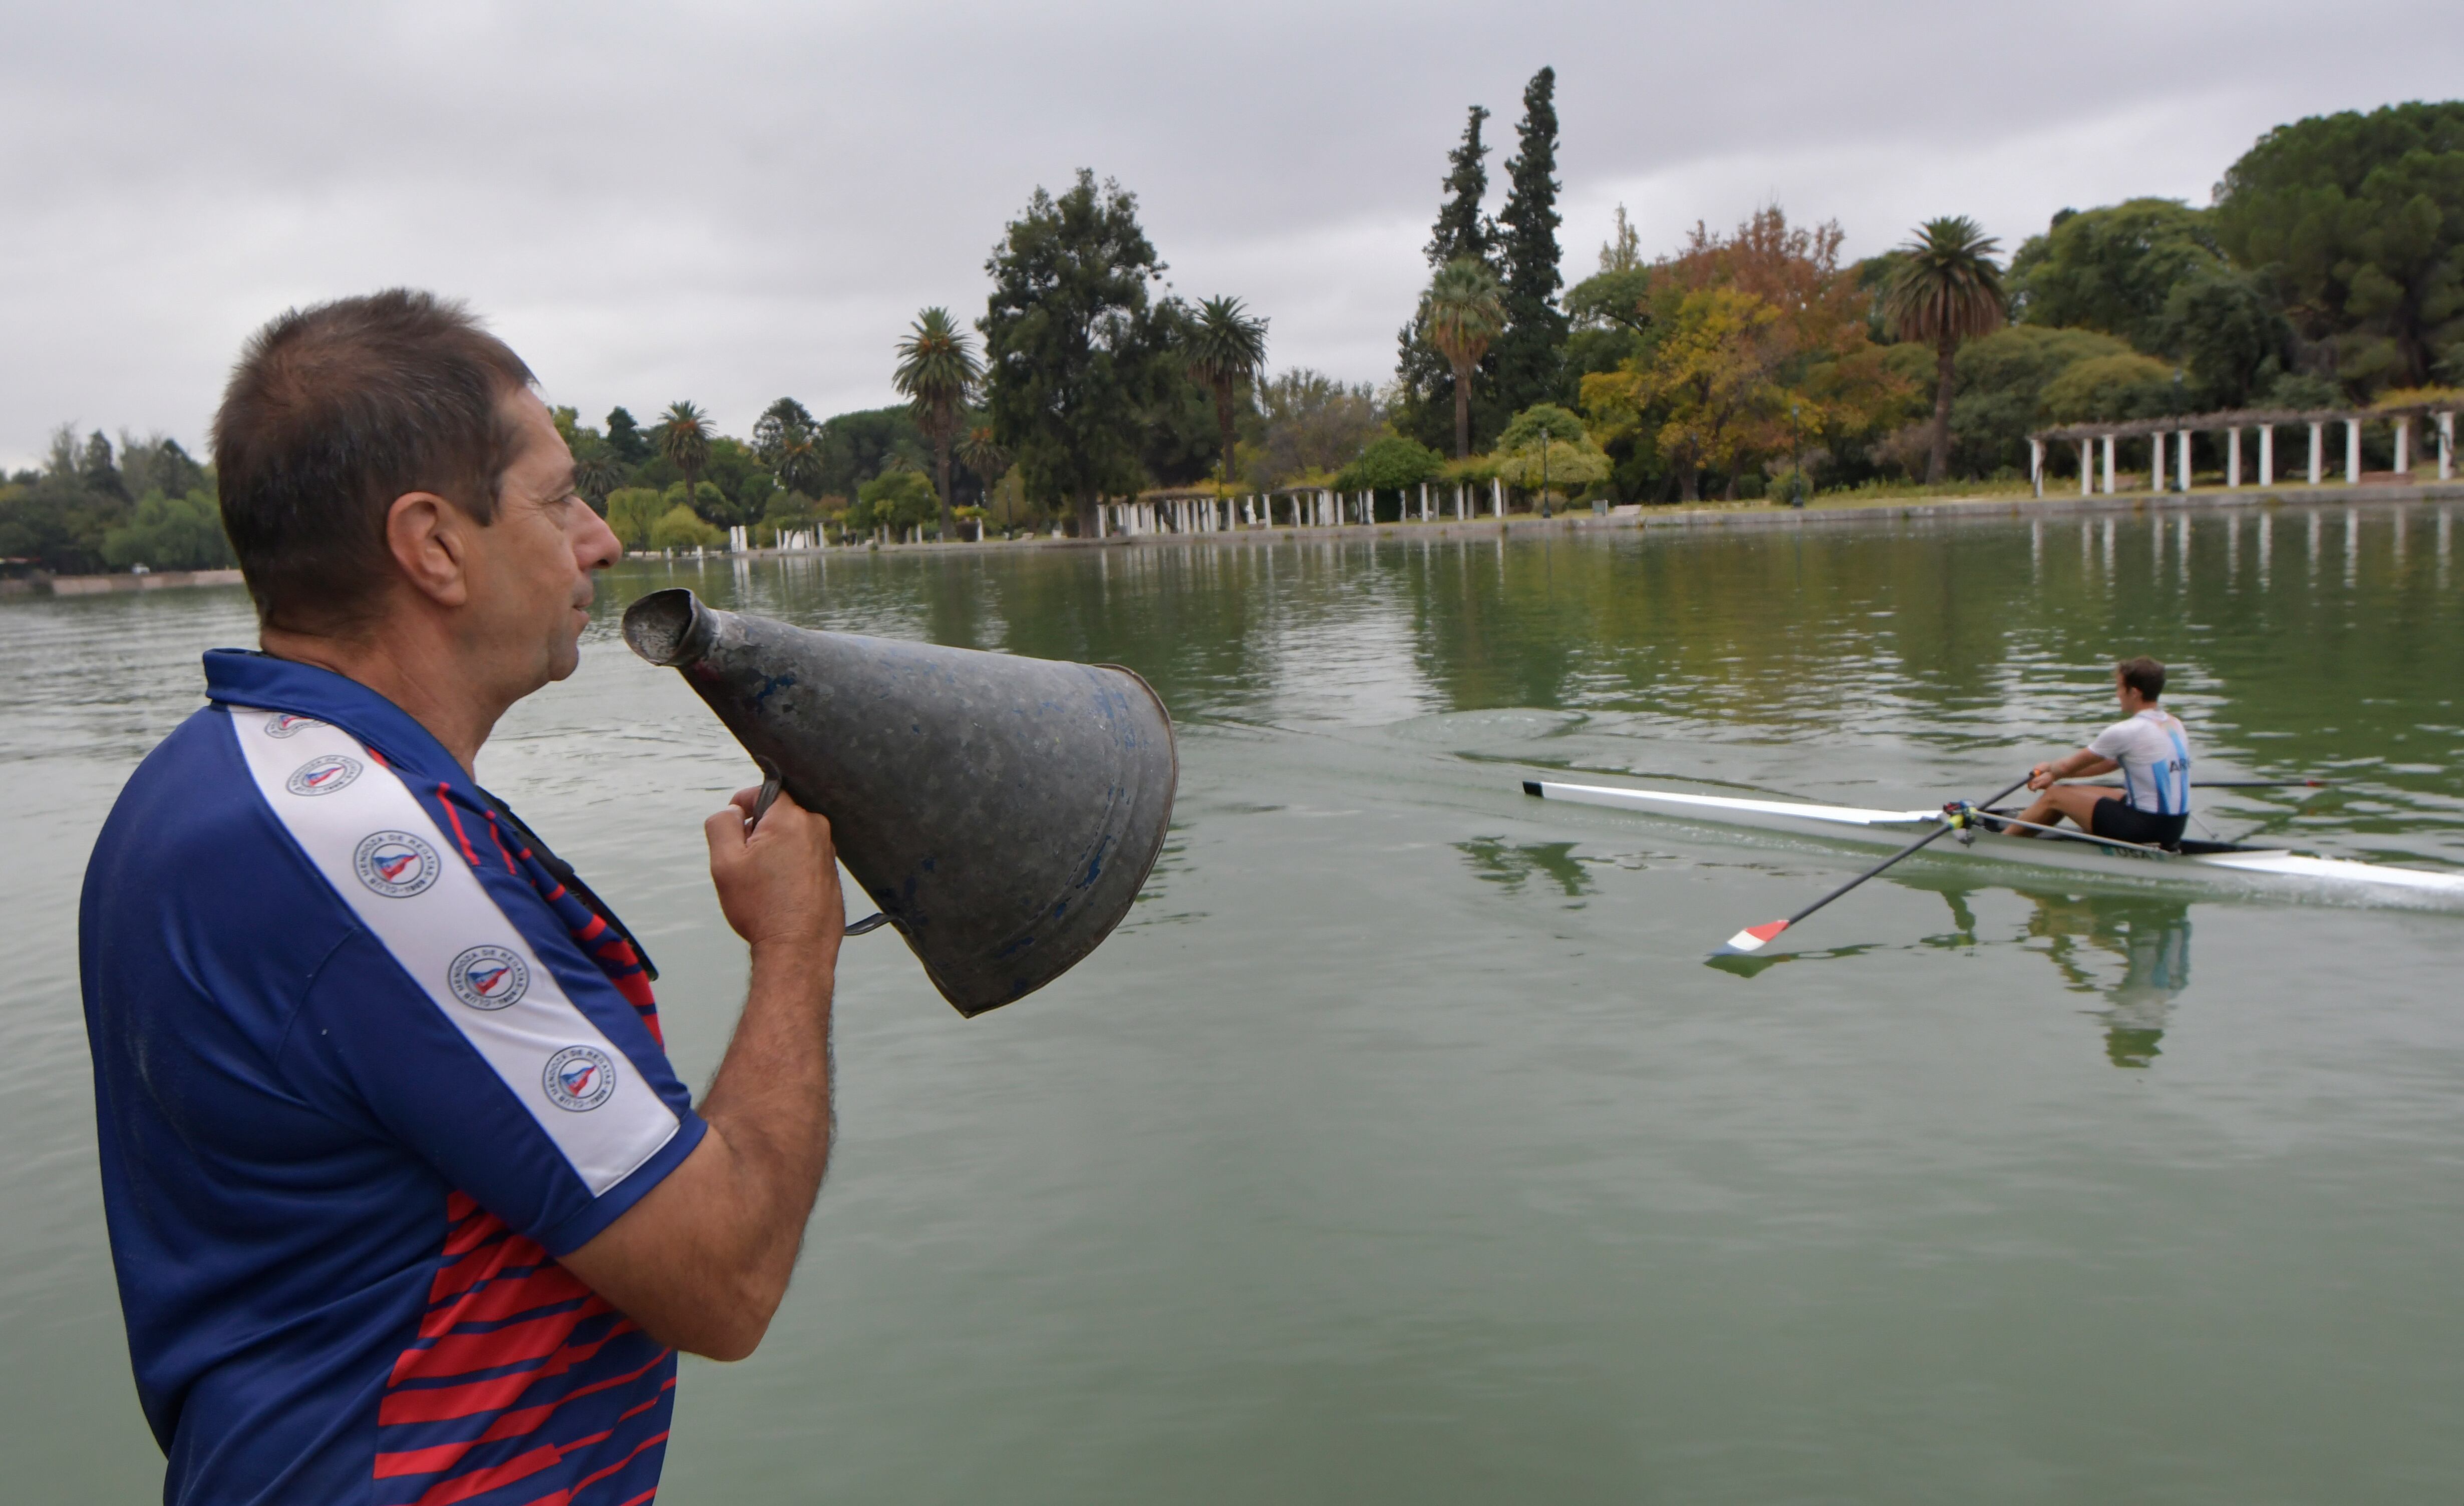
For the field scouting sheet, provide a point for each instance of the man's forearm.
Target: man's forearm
(771, 1097)
(703, 1260)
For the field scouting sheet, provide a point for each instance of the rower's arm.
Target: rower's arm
(2081, 765)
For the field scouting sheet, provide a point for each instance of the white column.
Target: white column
(2267, 455)
(2445, 453)
(2318, 452)
(2108, 465)
(2403, 446)
(2182, 448)
(2156, 461)
(2352, 452)
(1100, 511)
(2087, 469)
(2232, 458)
(1496, 496)
(2037, 465)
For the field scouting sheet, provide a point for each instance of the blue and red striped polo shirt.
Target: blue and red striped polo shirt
(365, 1064)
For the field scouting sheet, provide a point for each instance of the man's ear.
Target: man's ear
(429, 539)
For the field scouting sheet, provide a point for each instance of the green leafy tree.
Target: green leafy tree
(780, 425)
(2230, 338)
(2112, 269)
(1076, 351)
(171, 533)
(2111, 389)
(2356, 221)
(2002, 381)
(1461, 315)
(897, 499)
(684, 440)
(624, 437)
(1947, 290)
(939, 371)
(1530, 350)
(1225, 347)
(1546, 447)
(631, 510)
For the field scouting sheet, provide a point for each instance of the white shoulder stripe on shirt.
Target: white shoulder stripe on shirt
(409, 884)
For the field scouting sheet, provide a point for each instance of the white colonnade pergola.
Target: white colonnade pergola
(2435, 418)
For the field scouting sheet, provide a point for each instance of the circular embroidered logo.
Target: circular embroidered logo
(322, 775)
(395, 864)
(489, 977)
(580, 1078)
(283, 723)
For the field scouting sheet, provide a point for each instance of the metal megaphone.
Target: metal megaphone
(1004, 812)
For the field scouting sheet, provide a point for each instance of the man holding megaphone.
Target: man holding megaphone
(405, 1198)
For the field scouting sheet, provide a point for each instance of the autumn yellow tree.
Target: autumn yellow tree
(1705, 392)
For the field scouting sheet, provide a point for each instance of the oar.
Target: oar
(1754, 938)
(2222, 783)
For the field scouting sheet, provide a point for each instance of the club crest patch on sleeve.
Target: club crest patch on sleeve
(580, 1078)
(322, 775)
(395, 864)
(489, 977)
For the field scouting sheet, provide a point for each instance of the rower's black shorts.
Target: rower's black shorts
(2125, 822)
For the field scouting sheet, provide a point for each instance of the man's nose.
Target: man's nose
(599, 548)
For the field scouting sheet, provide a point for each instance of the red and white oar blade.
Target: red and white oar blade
(1753, 939)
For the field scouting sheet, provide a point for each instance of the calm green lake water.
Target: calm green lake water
(1402, 1148)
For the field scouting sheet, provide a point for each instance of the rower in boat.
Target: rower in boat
(2153, 753)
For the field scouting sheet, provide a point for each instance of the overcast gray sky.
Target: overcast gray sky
(741, 199)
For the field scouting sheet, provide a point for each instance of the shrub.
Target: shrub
(677, 528)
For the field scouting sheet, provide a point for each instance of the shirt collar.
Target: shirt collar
(246, 677)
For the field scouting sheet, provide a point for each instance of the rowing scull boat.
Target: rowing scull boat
(2230, 862)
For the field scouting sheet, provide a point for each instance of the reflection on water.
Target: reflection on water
(2133, 949)
(2148, 937)
(1497, 862)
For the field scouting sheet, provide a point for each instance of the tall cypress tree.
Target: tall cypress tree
(1463, 228)
(1531, 355)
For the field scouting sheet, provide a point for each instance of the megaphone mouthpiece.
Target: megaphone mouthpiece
(1002, 811)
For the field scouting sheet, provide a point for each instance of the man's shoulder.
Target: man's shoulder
(191, 838)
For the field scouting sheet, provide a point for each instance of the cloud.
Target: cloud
(730, 202)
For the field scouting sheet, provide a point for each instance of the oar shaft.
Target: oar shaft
(1909, 850)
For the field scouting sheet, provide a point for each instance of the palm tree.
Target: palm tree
(939, 371)
(1948, 290)
(597, 472)
(684, 438)
(1462, 311)
(1224, 346)
(799, 464)
(979, 453)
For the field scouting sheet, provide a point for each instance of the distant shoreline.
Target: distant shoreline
(1734, 514)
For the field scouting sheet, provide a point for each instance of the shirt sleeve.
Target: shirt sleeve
(457, 1018)
(2112, 743)
(532, 1110)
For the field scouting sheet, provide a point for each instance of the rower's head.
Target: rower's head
(2138, 684)
(388, 475)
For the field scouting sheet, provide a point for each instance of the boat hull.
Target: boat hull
(2206, 864)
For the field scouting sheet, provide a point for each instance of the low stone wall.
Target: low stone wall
(156, 581)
